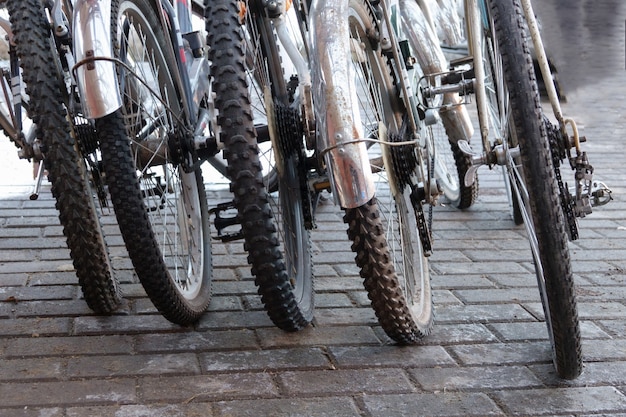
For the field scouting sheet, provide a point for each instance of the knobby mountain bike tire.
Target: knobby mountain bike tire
(161, 210)
(387, 232)
(67, 170)
(533, 180)
(467, 193)
(278, 244)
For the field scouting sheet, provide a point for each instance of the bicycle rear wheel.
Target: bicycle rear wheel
(271, 222)
(161, 208)
(48, 109)
(389, 234)
(519, 118)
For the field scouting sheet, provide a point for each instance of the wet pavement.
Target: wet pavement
(488, 354)
(585, 39)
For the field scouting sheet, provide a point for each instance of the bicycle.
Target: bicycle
(143, 77)
(376, 153)
(57, 140)
(516, 134)
(363, 32)
(70, 31)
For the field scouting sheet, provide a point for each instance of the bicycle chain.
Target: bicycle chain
(559, 153)
(405, 163)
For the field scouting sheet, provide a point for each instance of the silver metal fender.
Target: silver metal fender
(427, 50)
(97, 79)
(338, 124)
(449, 22)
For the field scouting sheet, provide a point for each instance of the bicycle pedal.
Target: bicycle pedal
(223, 222)
(600, 193)
(456, 77)
(464, 60)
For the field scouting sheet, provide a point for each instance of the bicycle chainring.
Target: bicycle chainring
(88, 144)
(423, 225)
(404, 164)
(86, 135)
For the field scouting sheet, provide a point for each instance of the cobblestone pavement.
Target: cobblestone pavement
(488, 354)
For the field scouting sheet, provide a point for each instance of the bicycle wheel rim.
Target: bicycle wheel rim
(171, 195)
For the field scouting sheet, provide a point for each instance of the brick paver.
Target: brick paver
(488, 354)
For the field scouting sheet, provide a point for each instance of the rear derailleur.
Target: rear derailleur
(577, 201)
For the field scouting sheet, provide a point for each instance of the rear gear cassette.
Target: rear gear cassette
(290, 134)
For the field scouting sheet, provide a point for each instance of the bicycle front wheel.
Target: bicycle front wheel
(48, 104)
(390, 235)
(517, 115)
(161, 209)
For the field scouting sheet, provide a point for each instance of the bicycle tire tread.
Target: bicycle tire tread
(468, 194)
(540, 177)
(366, 232)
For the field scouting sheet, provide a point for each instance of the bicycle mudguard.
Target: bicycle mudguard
(443, 16)
(341, 139)
(427, 50)
(95, 71)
